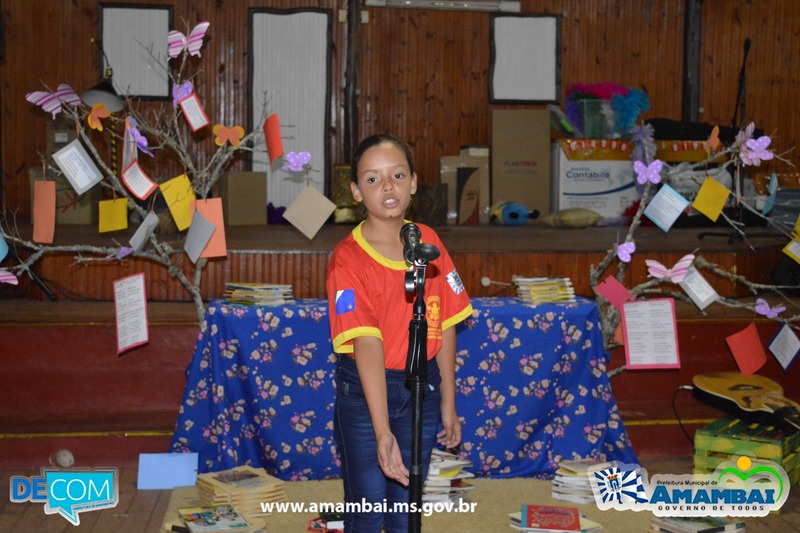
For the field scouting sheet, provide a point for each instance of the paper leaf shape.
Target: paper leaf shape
(179, 92)
(232, 136)
(99, 111)
(51, 102)
(296, 162)
(651, 172)
(763, 308)
(625, 250)
(177, 42)
(674, 274)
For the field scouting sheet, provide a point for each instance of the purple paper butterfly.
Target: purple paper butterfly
(124, 252)
(755, 150)
(296, 162)
(141, 141)
(651, 172)
(179, 92)
(625, 250)
(763, 308)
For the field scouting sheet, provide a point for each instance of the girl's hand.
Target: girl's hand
(450, 436)
(390, 459)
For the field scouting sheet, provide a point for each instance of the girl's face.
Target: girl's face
(385, 182)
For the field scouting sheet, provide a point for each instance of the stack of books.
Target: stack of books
(552, 519)
(696, 524)
(243, 487)
(446, 478)
(544, 290)
(572, 483)
(258, 293)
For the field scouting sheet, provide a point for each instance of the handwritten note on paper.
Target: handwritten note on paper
(651, 334)
(194, 112)
(78, 167)
(665, 207)
(131, 307)
(698, 289)
(747, 350)
(785, 346)
(137, 181)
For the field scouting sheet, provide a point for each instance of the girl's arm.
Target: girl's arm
(450, 436)
(371, 372)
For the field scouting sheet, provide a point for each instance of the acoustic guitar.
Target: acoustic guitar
(751, 397)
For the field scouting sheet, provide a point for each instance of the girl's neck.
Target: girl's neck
(384, 236)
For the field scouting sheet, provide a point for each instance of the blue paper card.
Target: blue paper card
(160, 471)
(665, 207)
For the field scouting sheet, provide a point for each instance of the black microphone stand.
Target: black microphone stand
(417, 375)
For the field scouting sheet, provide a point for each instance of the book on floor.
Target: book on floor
(696, 524)
(213, 518)
(586, 525)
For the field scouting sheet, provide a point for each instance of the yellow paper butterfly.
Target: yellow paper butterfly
(230, 135)
(99, 111)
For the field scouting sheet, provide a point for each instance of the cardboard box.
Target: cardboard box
(244, 198)
(520, 153)
(594, 174)
(71, 209)
(467, 180)
(60, 132)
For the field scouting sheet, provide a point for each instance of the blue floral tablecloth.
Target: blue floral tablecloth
(531, 389)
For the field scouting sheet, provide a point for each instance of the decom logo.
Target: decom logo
(736, 488)
(69, 491)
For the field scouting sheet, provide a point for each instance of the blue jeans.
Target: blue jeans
(355, 439)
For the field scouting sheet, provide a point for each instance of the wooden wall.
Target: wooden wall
(423, 72)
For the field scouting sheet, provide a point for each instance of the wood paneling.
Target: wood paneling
(423, 72)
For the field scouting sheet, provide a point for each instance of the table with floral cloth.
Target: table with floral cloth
(531, 389)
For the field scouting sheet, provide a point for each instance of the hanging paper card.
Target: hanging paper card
(179, 195)
(615, 292)
(44, 211)
(211, 210)
(651, 338)
(698, 289)
(711, 198)
(309, 211)
(785, 346)
(78, 167)
(130, 302)
(793, 250)
(665, 207)
(113, 215)
(272, 132)
(3, 248)
(137, 181)
(197, 237)
(194, 112)
(143, 232)
(747, 350)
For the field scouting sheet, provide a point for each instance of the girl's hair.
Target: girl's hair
(375, 140)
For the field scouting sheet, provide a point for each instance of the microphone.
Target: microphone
(410, 235)
(413, 248)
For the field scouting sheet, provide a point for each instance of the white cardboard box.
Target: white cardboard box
(594, 174)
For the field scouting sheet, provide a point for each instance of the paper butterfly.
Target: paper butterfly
(712, 143)
(625, 250)
(296, 161)
(675, 274)
(177, 41)
(651, 172)
(124, 252)
(99, 111)
(8, 277)
(230, 135)
(179, 92)
(141, 141)
(755, 150)
(746, 133)
(51, 102)
(763, 308)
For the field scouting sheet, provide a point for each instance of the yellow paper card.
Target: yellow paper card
(711, 198)
(179, 195)
(793, 250)
(113, 214)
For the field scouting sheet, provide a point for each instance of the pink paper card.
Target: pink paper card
(44, 211)
(130, 302)
(651, 334)
(272, 133)
(747, 350)
(615, 292)
(211, 209)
